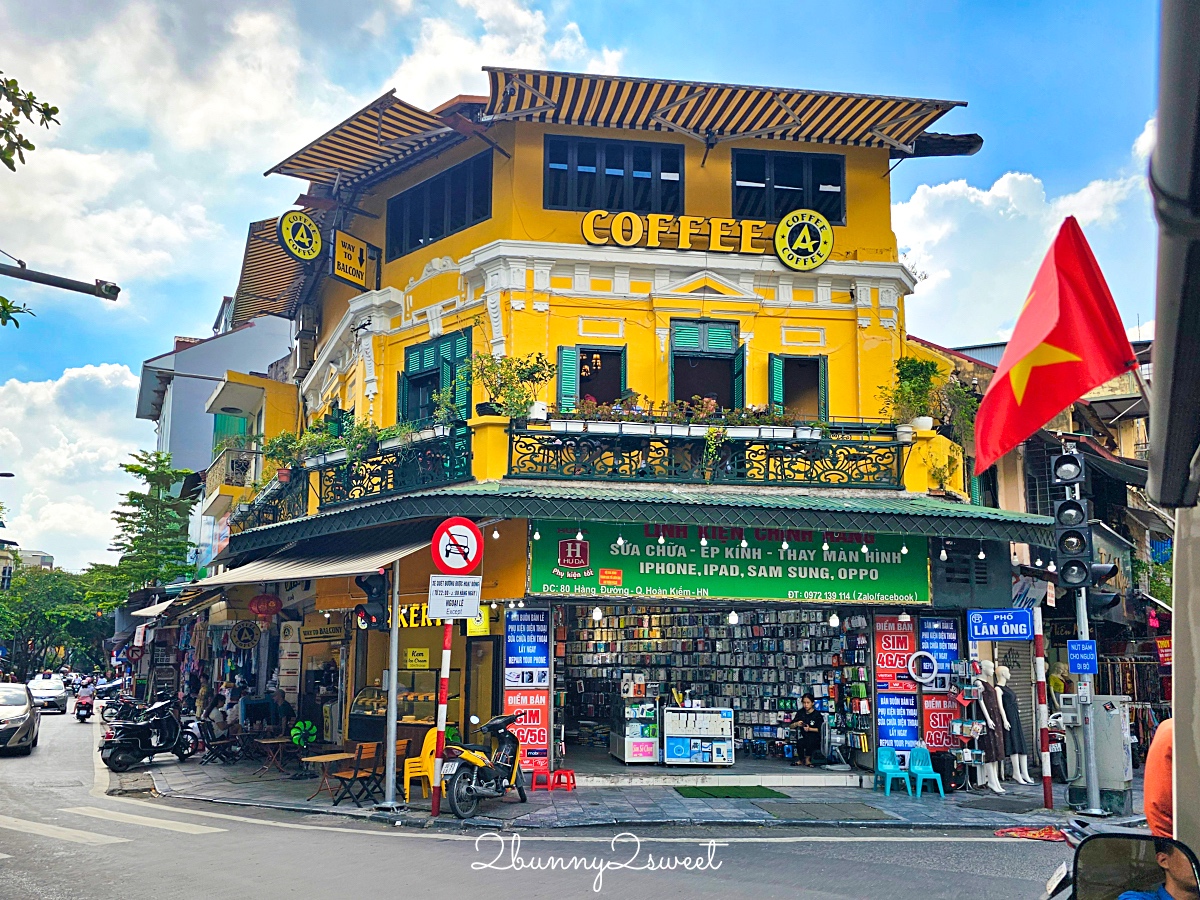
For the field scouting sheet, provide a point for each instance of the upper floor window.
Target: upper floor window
(769, 185)
(584, 174)
(448, 202)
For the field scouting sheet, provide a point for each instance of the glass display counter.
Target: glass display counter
(416, 707)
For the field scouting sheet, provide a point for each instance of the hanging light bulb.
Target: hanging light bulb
(520, 604)
(744, 544)
(834, 621)
(864, 548)
(703, 541)
(982, 555)
(493, 604)
(579, 534)
(661, 539)
(733, 617)
(620, 539)
(783, 546)
(1051, 567)
(942, 555)
(495, 534)
(904, 617)
(904, 548)
(1016, 560)
(597, 614)
(825, 545)
(326, 615)
(537, 535)
(1038, 562)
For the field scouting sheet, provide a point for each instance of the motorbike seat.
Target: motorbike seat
(479, 748)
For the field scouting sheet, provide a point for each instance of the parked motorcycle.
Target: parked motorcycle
(470, 775)
(157, 731)
(83, 708)
(124, 709)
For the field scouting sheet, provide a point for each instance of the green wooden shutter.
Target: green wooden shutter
(823, 389)
(462, 389)
(568, 378)
(624, 368)
(976, 492)
(739, 378)
(720, 337)
(402, 400)
(775, 382)
(685, 335)
(462, 344)
(412, 358)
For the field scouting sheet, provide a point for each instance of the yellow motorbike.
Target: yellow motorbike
(470, 774)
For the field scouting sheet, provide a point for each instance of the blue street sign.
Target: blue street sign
(1082, 658)
(1000, 625)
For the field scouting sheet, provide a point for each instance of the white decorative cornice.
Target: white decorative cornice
(377, 308)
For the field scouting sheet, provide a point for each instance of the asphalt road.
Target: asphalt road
(61, 838)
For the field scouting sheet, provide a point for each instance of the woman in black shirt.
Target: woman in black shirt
(807, 723)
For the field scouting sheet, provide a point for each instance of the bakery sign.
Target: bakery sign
(802, 240)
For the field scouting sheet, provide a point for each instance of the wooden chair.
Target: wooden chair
(421, 767)
(360, 781)
(223, 750)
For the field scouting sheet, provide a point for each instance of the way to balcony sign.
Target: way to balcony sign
(457, 546)
(299, 235)
(349, 259)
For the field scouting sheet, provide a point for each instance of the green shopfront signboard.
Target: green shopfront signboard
(710, 563)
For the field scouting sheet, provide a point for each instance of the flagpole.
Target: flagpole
(1143, 388)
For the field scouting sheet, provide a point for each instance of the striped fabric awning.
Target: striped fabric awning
(271, 279)
(711, 113)
(379, 134)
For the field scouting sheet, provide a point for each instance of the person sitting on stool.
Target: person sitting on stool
(807, 723)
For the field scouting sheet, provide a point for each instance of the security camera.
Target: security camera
(107, 289)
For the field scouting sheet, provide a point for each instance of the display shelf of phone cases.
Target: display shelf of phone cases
(635, 728)
(970, 727)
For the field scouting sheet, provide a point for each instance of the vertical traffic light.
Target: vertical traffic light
(1068, 469)
(374, 614)
(1073, 543)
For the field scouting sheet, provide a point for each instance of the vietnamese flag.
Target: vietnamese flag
(1068, 340)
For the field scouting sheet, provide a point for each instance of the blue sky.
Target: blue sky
(171, 112)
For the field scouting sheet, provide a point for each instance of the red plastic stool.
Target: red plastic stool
(545, 776)
(563, 778)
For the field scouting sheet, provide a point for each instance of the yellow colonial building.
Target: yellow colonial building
(646, 333)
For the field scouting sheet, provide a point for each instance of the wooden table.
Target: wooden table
(324, 760)
(274, 748)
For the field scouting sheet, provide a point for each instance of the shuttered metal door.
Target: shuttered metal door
(1018, 656)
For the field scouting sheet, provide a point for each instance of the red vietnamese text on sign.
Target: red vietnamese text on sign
(457, 546)
(895, 642)
(1164, 651)
(936, 712)
(532, 728)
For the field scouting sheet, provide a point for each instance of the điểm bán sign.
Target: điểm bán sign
(709, 562)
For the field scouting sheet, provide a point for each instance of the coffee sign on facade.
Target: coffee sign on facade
(802, 240)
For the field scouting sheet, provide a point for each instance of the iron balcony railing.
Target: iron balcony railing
(277, 502)
(230, 467)
(852, 458)
(425, 460)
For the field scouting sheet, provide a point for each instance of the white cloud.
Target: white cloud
(447, 54)
(1144, 145)
(979, 249)
(64, 440)
(1142, 332)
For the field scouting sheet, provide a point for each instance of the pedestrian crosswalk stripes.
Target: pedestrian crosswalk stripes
(73, 835)
(96, 812)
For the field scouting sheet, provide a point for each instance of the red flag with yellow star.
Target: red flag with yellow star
(1068, 340)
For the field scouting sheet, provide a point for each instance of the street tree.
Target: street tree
(37, 613)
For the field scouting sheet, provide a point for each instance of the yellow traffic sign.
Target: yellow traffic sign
(350, 259)
(299, 235)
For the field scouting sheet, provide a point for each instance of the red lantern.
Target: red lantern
(265, 605)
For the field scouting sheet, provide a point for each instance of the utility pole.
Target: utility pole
(1085, 694)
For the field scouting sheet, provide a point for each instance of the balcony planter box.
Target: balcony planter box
(324, 459)
(604, 427)
(393, 443)
(487, 409)
(569, 426)
(807, 433)
(742, 432)
(538, 411)
(777, 433)
(905, 434)
(697, 430)
(663, 429)
(677, 430)
(638, 428)
(922, 423)
(425, 434)
(441, 430)
(283, 476)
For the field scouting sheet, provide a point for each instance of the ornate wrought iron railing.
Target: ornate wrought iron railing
(444, 458)
(867, 461)
(277, 502)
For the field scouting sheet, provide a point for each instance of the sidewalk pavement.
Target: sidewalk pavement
(625, 806)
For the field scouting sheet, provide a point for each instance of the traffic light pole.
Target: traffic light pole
(1085, 706)
(389, 769)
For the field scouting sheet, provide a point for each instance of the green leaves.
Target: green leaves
(9, 312)
(21, 106)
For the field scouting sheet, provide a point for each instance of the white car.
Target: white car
(49, 693)
(20, 719)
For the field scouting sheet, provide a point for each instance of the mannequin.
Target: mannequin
(992, 742)
(1059, 683)
(1014, 732)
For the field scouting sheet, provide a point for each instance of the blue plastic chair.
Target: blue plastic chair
(920, 766)
(887, 767)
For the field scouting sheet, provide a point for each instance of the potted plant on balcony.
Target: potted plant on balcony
(672, 420)
(701, 412)
(511, 382)
(393, 436)
(603, 420)
(636, 419)
(565, 422)
(915, 395)
(742, 425)
(283, 451)
(777, 427)
(445, 410)
(318, 447)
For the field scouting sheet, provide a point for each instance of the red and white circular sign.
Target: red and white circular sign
(457, 546)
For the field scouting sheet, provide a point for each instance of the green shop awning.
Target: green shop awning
(679, 504)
